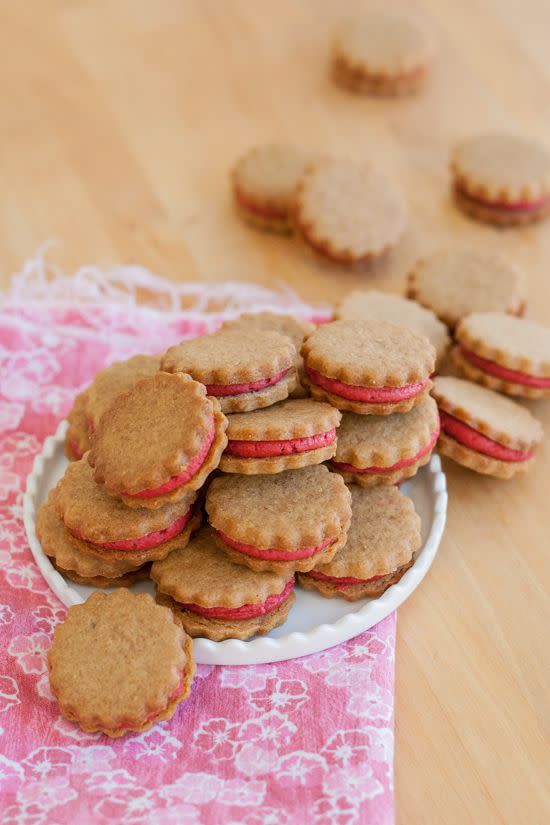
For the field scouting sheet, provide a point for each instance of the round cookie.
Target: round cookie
(368, 367)
(263, 182)
(502, 179)
(456, 282)
(511, 355)
(347, 213)
(365, 305)
(111, 382)
(159, 441)
(285, 436)
(386, 449)
(383, 537)
(285, 522)
(218, 599)
(380, 53)
(77, 440)
(483, 430)
(120, 663)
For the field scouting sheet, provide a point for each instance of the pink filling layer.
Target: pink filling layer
(75, 450)
(246, 611)
(514, 376)
(182, 478)
(405, 462)
(239, 389)
(264, 449)
(370, 395)
(274, 553)
(155, 713)
(507, 206)
(480, 443)
(341, 582)
(144, 542)
(278, 213)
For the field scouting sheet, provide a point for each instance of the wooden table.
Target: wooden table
(119, 121)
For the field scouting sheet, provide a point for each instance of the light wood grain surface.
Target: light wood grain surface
(119, 120)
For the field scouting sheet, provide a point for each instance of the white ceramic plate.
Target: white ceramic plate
(314, 623)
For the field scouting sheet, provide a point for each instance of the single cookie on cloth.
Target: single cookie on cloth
(483, 430)
(100, 525)
(284, 522)
(158, 442)
(502, 179)
(380, 53)
(111, 382)
(456, 282)
(386, 449)
(382, 541)
(511, 355)
(285, 436)
(264, 180)
(120, 663)
(218, 599)
(368, 367)
(366, 305)
(244, 369)
(347, 213)
(77, 440)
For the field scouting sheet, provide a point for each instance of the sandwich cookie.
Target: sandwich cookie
(382, 541)
(115, 380)
(511, 355)
(347, 213)
(244, 369)
(285, 436)
(77, 440)
(119, 663)
(483, 430)
(158, 442)
(285, 522)
(264, 180)
(366, 305)
(381, 53)
(368, 367)
(454, 283)
(218, 599)
(502, 179)
(100, 525)
(386, 449)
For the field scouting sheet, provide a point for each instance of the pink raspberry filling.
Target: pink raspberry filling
(341, 582)
(275, 212)
(514, 376)
(370, 395)
(144, 542)
(75, 450)
(274, 553)
(182, 478)
(405, 462)
(264, 449)
(239, 389)
(507, 206)
(246, 611)
(466, 435)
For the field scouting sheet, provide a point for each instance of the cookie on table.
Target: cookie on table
(218, 599)
(111, 382)
(454, 283)
(77, 440)
(386, 449)
(380, 53)
(365, 305)
(102, 526)
(289, 521)
(368, 367)
(347, 213)
(119, 663)
(285, 436)
(244, 369)
(158, 442)
(382, 541)
(502, 179)
(483, 430)
(511, 355)
(264, 180)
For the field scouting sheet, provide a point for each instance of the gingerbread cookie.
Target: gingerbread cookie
(111, 382)
(77, 440)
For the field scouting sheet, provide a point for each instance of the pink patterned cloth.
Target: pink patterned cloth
(303, 741)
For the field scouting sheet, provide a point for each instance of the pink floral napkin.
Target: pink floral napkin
(303, 741)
